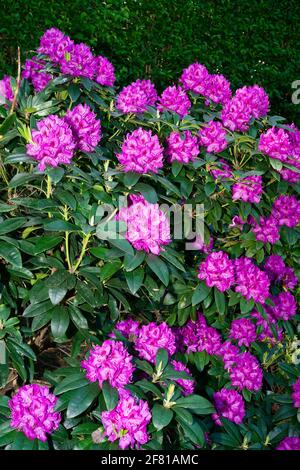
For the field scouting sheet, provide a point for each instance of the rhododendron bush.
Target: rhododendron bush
(124, 324)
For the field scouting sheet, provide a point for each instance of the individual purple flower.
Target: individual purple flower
(217, 89)
(148, 227)
(255, 98)
(33, 412)
(275, 143)
(229, 353)
(236, 115)
(110, 361)
(187, 385)
(136, 97)
(248, 189)
(182, 147)
(289, 443)
(153, 337)
(274, 267)
(286, 210)
(237, 221)
(6, 92)
(263, 328)
(252, 283)
(34, 72)
(246, 373)
(141, 152)
(174, 99)
(127, 422)
(104, 71)
(289, 279)
(198, 337)
(229, 404)
(129, 328)
(223, 170)
(243, 331)
(79, 62)
(55, 44)
(199, 244)
(52, 142)
(85, 126)
(296, 393)
(285, 306)
(195, 77)
(213, 137)
(267, 231)
(217, 271)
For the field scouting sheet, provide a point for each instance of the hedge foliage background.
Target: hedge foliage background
(250, 42)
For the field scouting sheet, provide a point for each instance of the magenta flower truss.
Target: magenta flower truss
(85, 126)
(198, 336)
(187, 385)
(222, 170)
(174, 99)
(236, 115)
(151, 338)
(136, 97)
(248, 189)
(213, 137)
(182, 147)
(194, 78)
(141, 152)
(243, 331)
(32, 411)
(229, 353)
(246, 373)
(256, 100)
(110, 361)
(275, 143)
(79, 62)
(52, 143)
(285, 306)
(294, 157)
(217, 271)
(289, 443)
(148, 227)
(252, 283)
(267, 231)
(265, 333)
(127, 422)
(34, 72)
(229, 404)
(217, 89)
(286, 210)
(296, 393)
(55, 45)
(104, 71)
(274, 267)
(289, 279)
(129, 328)
(6, 92)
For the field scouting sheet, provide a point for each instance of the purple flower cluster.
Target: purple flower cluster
(148, 227)
(85, 127)
(136, 97)
(251, 282)
(246, 373)
(198, 336)
(213, 137)
(217, 271)
(129, 328)
(151, 338)
(229, 404)
(127, 422)
(174, 99)
(223, 171)
(285, 306)
(32, 411)
(277, 271)
(182, 147)
(289, 443)
(263, 325)
(267, 230)
(34, 72)
(248, 189)
(6, 92)
(141, 152)
(55, 44)
(296, 393)
(187, 385)
(110, 361)
(52, 142)
(286, 210)
(104, 71)
(243, 331)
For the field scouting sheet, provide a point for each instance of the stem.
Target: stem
(67, 240)
(83, 250)
(18, 84)
(49, 189)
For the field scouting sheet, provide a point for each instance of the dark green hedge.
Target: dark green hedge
(249, 41)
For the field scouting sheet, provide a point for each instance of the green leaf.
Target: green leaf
(276, 164)
(60, 226)
(220, 301)
(159, 268)
(201, 359)
(147, 191)
(77, 318)
(45, 243)
(161, 359)
(193, 432)
(134, 279)
(149, 387)
(109, 269)
(81, 399)
(246, 306)
(10, 254)
(161, 416)
(10, 225)
(59, 321)
(56, 294)
(196, 403)
(130, 263)
(111, 396)
(7, 123)
(200, 293)
(123, 245)
(72, 382)
(130, 179)
(36, 309)
(168, 185)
